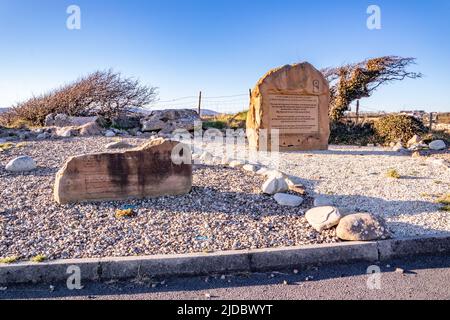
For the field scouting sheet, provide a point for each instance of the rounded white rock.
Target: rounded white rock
(21, 164)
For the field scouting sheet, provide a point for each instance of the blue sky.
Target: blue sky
(221, 47)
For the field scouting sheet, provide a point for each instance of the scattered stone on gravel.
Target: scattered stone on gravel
(362, 227)
(437, 145)
(323, 218)
(236, 164)
(275, 185)
(90, 129)
(400, 270)
(21, 164)
(415, 140)
(110, 134)
(289, 200)
(224, 204)
(250, 168)
(399, 148)
(64, 132)
(118, 145)
(322, 201)
(43, 136)
(206, 157)
(262, 171)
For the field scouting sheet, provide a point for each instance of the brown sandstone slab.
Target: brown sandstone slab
(144, 172)
(294, 100)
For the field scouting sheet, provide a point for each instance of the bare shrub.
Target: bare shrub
(104, 93)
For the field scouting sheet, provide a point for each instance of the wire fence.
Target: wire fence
(226, 104)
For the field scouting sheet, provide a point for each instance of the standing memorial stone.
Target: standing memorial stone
(292, 101)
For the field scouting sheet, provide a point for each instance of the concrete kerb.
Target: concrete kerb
(223, 262)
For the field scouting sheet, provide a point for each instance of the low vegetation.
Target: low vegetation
(8, 260)
(392, 173)
(6, 146)
(38, 259)
(103, 93)
(124, 213)
(226, 121)
(445, 201)
(349, 133)
(395, 127)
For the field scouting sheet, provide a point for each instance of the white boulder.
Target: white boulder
(250, 168)
(323, 218)
(275, 185)
(236, 164)
(21, 164)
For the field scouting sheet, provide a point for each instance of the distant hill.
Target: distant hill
(3, 110)
(209, 113)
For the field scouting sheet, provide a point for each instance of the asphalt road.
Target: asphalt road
(422, 278)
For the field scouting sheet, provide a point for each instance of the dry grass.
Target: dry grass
(445, 201)
(124, 213)
(8, 260)
(38, 259)
(392, 173)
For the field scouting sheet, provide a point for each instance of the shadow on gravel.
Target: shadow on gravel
(354, 153)
(404, 268)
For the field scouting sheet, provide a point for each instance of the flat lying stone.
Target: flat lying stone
(438, 145)
(323, 218)
(250, 168)
(144, 172)
(322, 201)
(21, 164)
(236, 164)
(362, 227)
(118, 145)
(284, 199)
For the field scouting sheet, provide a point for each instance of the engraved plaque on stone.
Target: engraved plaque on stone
(294, 114)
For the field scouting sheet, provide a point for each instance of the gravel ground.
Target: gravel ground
(355, 178)
(224, 211)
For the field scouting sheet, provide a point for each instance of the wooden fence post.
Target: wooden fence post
(200, 104)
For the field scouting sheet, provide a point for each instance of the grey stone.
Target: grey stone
(437, 145)
(323, 218)
(21, 164)
(118, 145)
(43, 136)
(90, 129)
(289, 200)
(110, 134)
(322, 201)
(170, 120)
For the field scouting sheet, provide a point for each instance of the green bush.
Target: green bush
(353, 134)
(395, 127)
(215, 124)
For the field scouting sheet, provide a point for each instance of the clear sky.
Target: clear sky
(221, 47)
